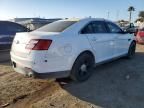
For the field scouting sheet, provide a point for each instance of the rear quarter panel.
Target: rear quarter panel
(64, 50)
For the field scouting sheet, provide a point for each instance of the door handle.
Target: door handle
(94, 39)
(129, 39)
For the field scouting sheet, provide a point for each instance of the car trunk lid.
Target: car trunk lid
(21, 40)
(19, 43)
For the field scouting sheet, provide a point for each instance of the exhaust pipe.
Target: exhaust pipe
(29, 72)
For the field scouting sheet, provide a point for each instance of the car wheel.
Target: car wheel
(131, 51)
(82, 68)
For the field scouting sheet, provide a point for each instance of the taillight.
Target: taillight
(39, 44)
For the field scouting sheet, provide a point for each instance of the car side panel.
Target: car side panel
(61, 55)
(122, 43)
(103, 45)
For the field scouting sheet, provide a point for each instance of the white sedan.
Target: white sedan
(70, 47)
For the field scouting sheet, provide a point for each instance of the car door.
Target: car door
(7, 33)
(121, 43)
(100, 40)
(4, 37)
(12, 29)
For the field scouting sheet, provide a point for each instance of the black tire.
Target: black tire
(82, 68)
(131, 51)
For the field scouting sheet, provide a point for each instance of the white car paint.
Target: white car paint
(66, 47)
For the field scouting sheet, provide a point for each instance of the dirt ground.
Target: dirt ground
(119, 84)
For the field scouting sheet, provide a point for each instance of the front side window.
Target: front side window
(58, 26)
(113, 28)
(99, 27)
(94, 27)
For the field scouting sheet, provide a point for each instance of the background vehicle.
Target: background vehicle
(70, 48)
(140, 36)
(7, 33)
(130, 28)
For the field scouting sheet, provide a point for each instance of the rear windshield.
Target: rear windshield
(58, 26)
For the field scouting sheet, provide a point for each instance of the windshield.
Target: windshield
(58, 26)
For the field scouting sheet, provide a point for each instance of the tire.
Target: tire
(131, 51)
(82, 68)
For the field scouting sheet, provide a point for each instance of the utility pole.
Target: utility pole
(117, 15)
(108, 15)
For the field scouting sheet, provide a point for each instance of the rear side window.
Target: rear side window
(88, 29)
(94, 27)
(58, 26)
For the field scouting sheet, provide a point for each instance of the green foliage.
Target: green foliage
(131, 8)
(141, 14)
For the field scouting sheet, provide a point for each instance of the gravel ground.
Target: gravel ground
(119, 84)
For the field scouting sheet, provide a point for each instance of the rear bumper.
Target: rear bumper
(35, 66)
(60, 74)
(31, 73)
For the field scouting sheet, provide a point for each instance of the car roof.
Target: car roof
(87, 19)
(79, 19)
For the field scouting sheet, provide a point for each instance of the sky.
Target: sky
(109, 9)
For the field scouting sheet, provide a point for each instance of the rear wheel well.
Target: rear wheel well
(133, 42)
(86, 52)
(82, 66)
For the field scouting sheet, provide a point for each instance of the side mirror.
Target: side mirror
(123, 32)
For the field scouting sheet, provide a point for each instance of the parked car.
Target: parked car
(70, 48)
(7, 33)
(130, 28)
(140, 36)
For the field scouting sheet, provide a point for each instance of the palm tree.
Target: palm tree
(130, 9)
(141, 14)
